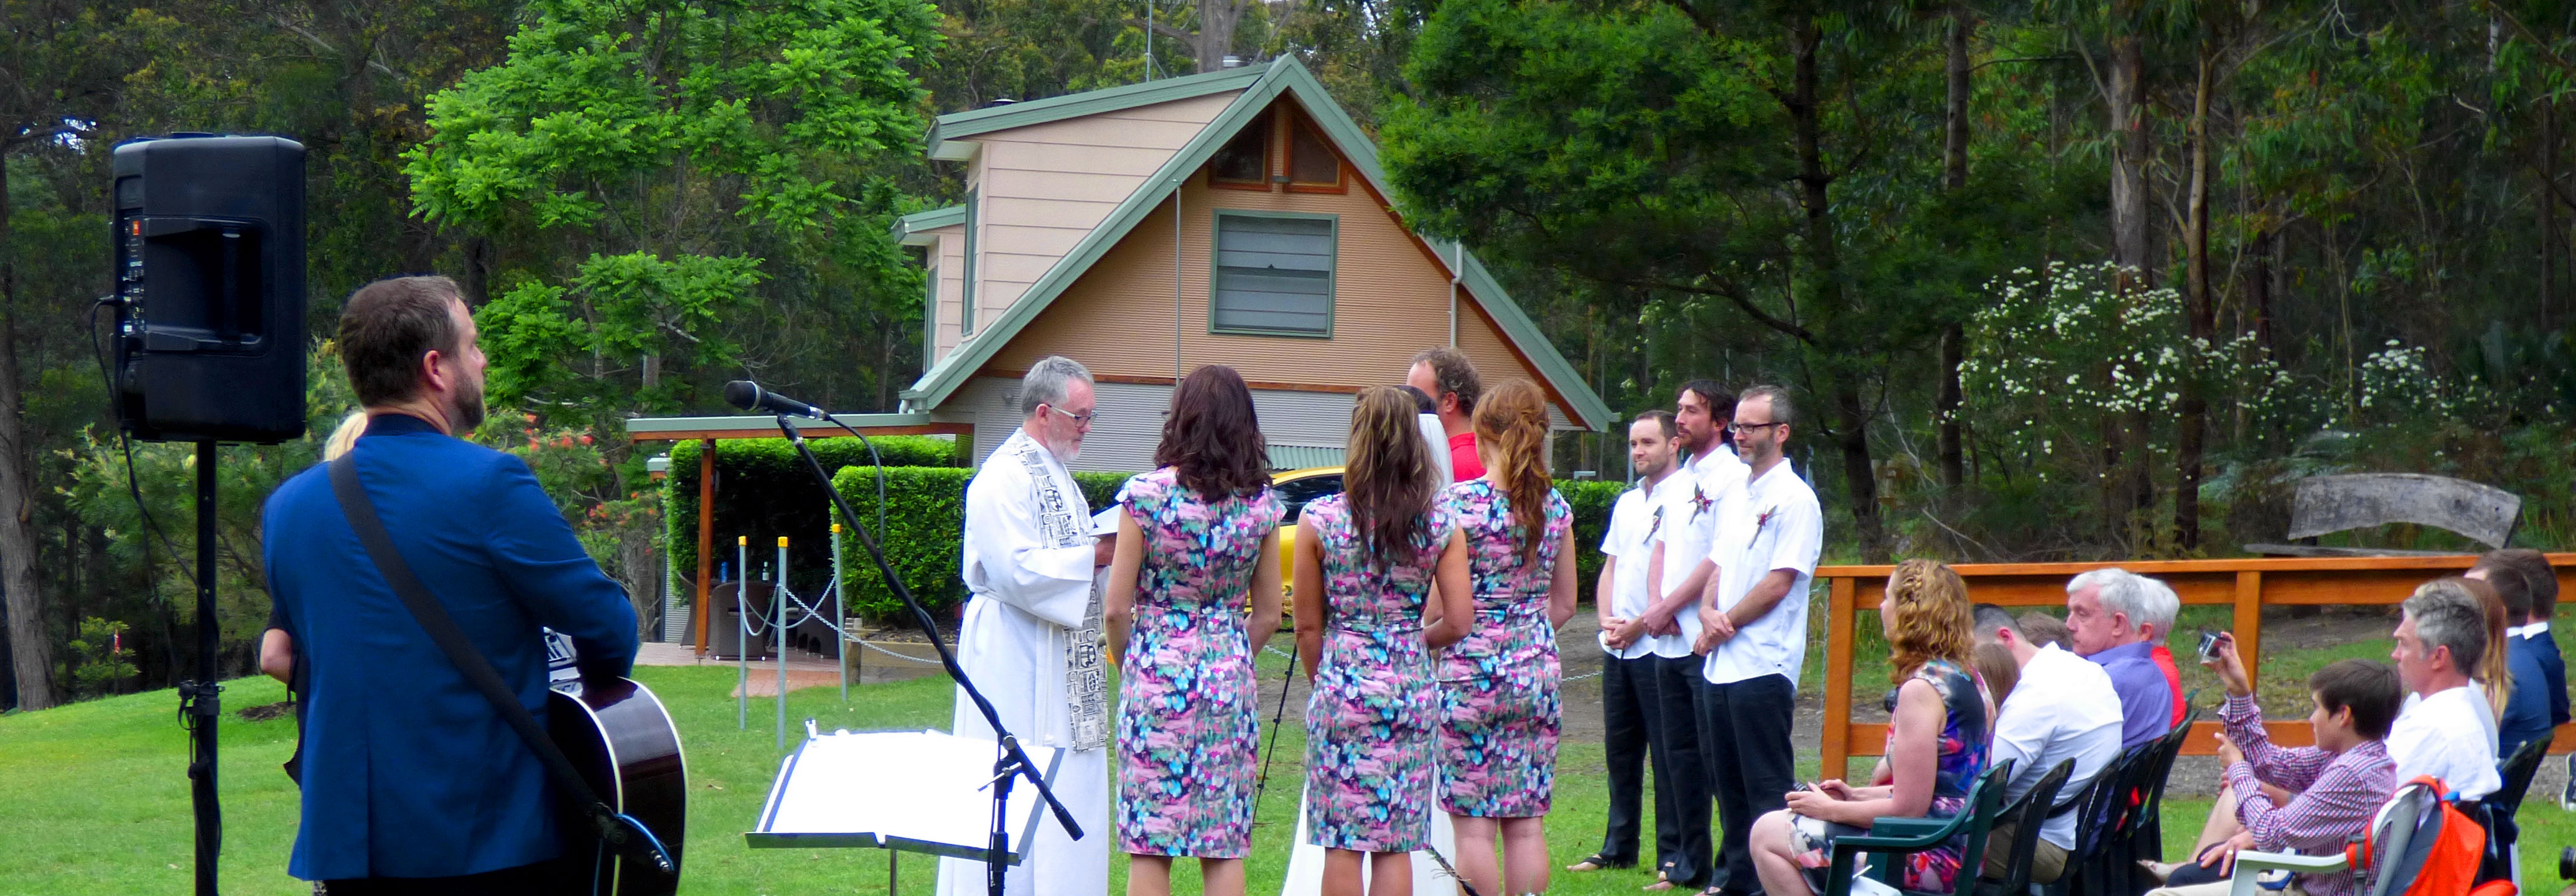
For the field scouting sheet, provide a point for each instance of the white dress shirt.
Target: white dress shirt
(1778, 525)
(1438, 435)
(1696, 496)
(2064, 708)
(2450, 735)
(2525, 631)
(1630, 544)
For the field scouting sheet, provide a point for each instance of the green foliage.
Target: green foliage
(924, 538)
(100, 660)
(763, 490)
(690, 153)
(1591, 501)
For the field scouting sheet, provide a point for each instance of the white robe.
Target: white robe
(1031, 642)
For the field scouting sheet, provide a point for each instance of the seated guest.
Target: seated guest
(2446, 728)
(2542, 581)
(2062, 708)
(2161, 606)
(1936, 746)
(2042, 630)
(2526, 706)
(2494, 682)
(2332, 789)
(2107, 621)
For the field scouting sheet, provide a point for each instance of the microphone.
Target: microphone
(749, 396)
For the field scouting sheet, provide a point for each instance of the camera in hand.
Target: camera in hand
(2209, 644)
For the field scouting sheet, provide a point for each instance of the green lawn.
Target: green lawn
(96, 800)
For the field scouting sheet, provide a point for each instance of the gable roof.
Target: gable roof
(1259, 85)
(914, 229)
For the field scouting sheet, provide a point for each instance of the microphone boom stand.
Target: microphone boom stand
(1013, 763)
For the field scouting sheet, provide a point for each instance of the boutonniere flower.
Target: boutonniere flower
(1654, 523)
(1699, 502)
(1764, 519)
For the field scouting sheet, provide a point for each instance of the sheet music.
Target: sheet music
(914, 791)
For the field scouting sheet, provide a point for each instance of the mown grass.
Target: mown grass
(94, 798)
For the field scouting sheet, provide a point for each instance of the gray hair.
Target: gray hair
(1048, 380)
(2446, 614)
(2159, 606)
(1782, 410)
(2122, 592)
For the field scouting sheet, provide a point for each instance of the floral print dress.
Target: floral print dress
(1498, 699)
(1186, 695)
(1369, 723)
(1965, 732)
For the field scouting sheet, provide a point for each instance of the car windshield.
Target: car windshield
(1296, 494)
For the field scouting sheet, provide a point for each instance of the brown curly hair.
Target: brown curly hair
(1930, 619)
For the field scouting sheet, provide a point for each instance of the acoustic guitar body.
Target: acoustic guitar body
(617, 733)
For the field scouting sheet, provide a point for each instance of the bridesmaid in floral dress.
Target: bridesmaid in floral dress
(1366, 623)
(1198, 542)
(1940, 719)
(1499, 709)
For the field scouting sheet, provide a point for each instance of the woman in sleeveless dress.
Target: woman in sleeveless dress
(1198, 544)
(1366, 623)
(1939, 722)
(1498, 685)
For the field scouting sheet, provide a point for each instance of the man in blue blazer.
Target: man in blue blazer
(412, 783)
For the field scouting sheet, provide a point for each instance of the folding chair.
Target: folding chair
(2028, 814)
(1894, 836)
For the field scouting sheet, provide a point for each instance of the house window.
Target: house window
(1245, 160)
(1274, 274)
(966, 305)
(1312, 165)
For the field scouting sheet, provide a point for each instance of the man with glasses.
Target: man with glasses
(1031, 637)
(1753, 627)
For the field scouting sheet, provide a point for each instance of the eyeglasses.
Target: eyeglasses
(1742, 428)
(1082, 419)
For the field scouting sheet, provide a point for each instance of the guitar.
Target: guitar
(622, 740)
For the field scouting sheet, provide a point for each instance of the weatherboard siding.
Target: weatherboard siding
(1130, 422)
(1390, 301)
(1045, 186)
(951, 270)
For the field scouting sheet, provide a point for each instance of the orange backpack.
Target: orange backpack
(2424, 839)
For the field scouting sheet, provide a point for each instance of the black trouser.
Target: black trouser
(1744, 738)
(548, 878)
(1628, 722)
(1681, 772)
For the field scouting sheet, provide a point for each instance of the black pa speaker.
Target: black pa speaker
(210, 288)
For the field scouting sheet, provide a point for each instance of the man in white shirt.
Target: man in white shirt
(1631, 715)
(1031, 636)
(1706, 478)
(2064, 708)
(1753, 626)
(2446, 729)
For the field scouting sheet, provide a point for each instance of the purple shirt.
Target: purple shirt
(2334, 795)
(2146, 700)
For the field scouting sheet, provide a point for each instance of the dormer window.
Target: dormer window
(1245, 160)
(1313, 167)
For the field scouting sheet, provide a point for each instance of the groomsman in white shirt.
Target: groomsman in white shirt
(1706, 478)
(1753, 626)
(1632, 721)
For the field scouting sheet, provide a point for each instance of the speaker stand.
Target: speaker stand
(201, 703)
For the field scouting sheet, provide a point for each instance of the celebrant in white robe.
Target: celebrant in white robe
(1031, 638)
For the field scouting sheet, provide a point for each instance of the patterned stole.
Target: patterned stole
(1086, 667)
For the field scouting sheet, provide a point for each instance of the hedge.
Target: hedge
(925, 531)
(764, 491)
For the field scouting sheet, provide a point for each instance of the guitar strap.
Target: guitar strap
(613, 826)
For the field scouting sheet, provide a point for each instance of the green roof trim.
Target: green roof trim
(1266, 83)
(1076, 105)
(1300, 457)
(913, 229)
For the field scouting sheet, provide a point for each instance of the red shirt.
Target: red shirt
(2173, 676)
(1463, 463)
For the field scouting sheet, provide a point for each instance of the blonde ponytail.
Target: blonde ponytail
(1511, 424)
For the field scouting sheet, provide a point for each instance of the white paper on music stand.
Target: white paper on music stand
(912, 791)
(1106, 521)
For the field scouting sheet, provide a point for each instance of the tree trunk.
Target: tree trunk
(1955, 177)
(1215, 36)
(2200, 313)
(2128, 120)
(2258, 284)
(2548, 209)
(31, 649)
(1824, 263)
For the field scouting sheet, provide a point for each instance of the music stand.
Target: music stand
(937, 805)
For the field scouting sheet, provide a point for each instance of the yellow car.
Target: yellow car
(1295, 488)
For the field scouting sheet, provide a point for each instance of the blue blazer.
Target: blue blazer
(2526, 707)
(408, 772)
